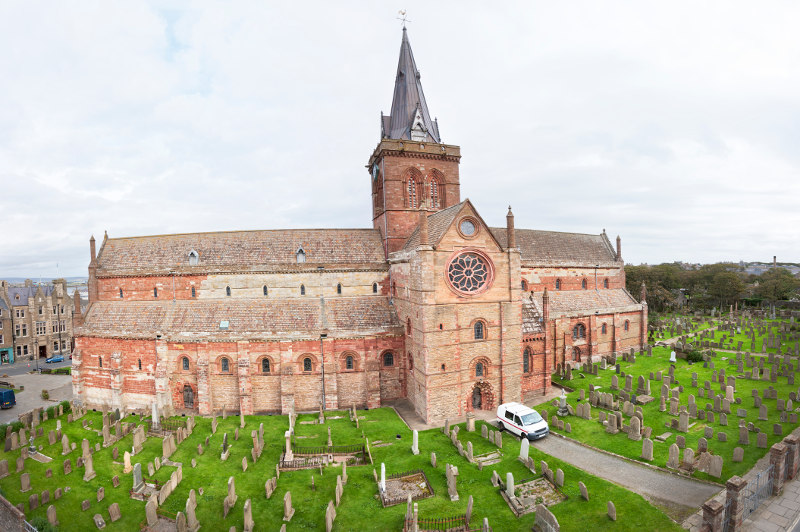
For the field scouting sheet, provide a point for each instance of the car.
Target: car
(521, 420)
(56, 358)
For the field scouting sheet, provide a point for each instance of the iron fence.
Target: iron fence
(448, 524)
(756, 491)
(329, 449)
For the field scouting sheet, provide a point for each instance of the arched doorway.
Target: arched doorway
(188, 396)
(477, 399)
(576, 354)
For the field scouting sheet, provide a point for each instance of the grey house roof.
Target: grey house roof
(25, 293)
(408, 97)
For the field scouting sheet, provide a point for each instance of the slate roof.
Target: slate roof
(407, 98)
(241, 251)
(438, 223)
(25, 293)
(258, 319)
(552, 248)
(585, 302)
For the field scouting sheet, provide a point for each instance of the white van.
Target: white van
(522, 421)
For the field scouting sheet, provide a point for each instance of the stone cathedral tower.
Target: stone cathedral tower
(410, 168)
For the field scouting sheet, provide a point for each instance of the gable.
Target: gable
(466, 228)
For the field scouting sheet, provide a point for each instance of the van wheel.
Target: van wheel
(501, 428)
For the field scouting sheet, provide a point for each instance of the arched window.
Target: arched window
(306, 364)
(408, 326)
(194, 292)
(339, 288)
(224, 365)
(524, 285)
(410, 362)
(605, 283)
(301, 255)
(155, 291)
(526, 362)
(193, 258)
(627, 325)
(120, 293)
(302, 289)
(185, 364)
(140, 364)
(412, 193)
(374, 288)
(434, 193)
(583, 284)
(479, 332)
(348, 362)
(479, 369)
(558, 284)
(603, 329)
(100, 361)
(228, 291)
(394, 289)
(264, 365)
(579, 331)
(265, 290)
(388, 359)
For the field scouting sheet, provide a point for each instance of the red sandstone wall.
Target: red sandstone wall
(141, 288)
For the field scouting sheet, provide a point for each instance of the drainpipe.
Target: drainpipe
(502, 349)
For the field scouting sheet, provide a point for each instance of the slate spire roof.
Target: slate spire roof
(410, 118)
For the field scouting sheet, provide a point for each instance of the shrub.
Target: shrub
(694, 356)
(42, 524)
(45, 394)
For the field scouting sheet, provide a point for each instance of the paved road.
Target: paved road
(25, 366)
(659, 487)
(59, 387)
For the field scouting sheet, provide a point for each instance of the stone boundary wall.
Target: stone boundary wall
(11, 519)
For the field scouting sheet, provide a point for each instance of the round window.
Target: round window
(467, 227)
(469, 273)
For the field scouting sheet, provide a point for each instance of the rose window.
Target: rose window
(468, 272)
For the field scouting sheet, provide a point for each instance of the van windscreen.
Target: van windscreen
(532, 418)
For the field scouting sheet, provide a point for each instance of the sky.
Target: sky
(675, 125)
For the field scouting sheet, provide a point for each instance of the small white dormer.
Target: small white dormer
(418, 130)
(194, 258)
(300, 254)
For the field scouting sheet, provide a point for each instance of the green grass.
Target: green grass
(593, 433)
(360, 508)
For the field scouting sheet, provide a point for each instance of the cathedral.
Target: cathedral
(430, 306)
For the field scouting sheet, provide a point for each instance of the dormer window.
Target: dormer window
(194, 258)
(301, 255)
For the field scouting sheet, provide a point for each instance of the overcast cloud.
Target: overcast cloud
(673, 124)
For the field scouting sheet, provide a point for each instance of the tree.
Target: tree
(776, 284)
(726, 287)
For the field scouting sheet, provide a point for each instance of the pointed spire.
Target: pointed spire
(619, 248)
(511, 238)
(643, 294)
(410, 118)
(92, 251)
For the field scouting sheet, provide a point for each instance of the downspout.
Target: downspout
(502, 358)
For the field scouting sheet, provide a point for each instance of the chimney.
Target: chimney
(92, 250)
(511, 237)
(77, 317)
(774, 261)
(643, 296)
(423, 228)
(619, 248)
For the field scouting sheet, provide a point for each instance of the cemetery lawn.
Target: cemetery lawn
(760, 339)
(360, 508)
(593, 433)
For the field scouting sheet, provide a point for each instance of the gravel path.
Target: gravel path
(656, 486)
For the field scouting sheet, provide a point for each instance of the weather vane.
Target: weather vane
(402, 17)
